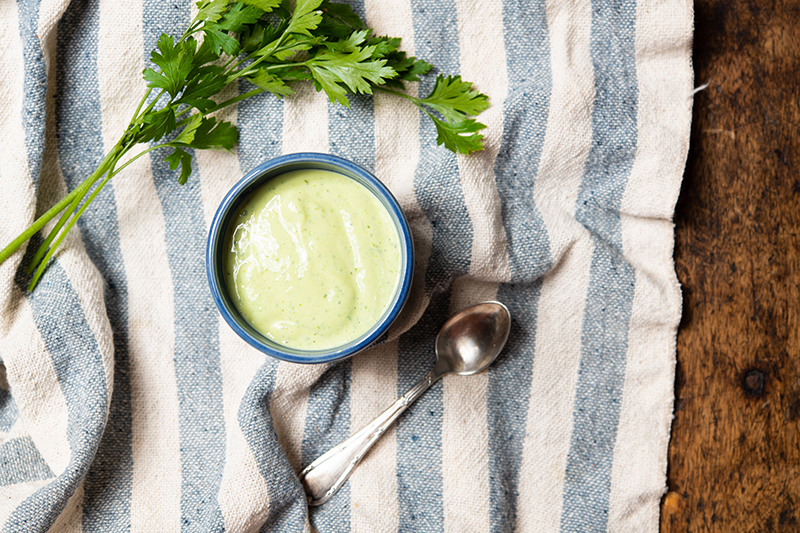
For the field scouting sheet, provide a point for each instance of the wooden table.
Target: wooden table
(734, 457)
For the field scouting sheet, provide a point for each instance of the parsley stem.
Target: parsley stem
(140, 154)
(414, 99)
(193, 28)
(234, 100)
(217, 107)
(271, 49)
(343, 55)
(141, 103)
(51, 213)
(6, 252)
(109, 161)
(153, 103)
(112, 171)
(52, 235)
(63, 234)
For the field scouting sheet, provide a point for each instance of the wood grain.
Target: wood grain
(734, 457)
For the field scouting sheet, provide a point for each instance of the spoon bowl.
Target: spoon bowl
(472, 339)
(468, 342)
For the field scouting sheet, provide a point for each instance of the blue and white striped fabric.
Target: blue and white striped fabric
(127, 404)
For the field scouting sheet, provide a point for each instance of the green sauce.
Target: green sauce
(313, 259)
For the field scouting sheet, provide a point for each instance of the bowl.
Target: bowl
(229, 210)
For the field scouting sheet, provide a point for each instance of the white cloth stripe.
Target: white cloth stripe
(156, 485)
(397, 152)
(13, 495)
(83, 276)
(18, 201)
(244, 494)
(665, 83)
(373, 387)
(555, 375)
(563, 295)
(219, 170)
(305, 129)
(465, 433)
(373, 485)
(50, 12)
(305, 120)
(565, 150)
(35, 386)
(482, 57)
(646, 401)
(29, 366)
(71, 518)
(288, 404)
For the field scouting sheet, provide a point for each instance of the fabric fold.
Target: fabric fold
(126, 404)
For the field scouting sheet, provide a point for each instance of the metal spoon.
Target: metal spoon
(467, 343)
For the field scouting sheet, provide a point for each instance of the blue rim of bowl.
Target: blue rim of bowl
(241, 191)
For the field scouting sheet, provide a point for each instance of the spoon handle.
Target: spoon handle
(326, 475)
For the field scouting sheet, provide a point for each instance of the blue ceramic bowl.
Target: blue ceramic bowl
(229, 208)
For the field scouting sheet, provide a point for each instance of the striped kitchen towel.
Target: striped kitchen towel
(127, 404)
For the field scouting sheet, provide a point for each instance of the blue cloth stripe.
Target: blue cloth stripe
(260, 122)
(351, 134)
(599, 393)
(196, 350)
(419, 430)
(438, 191)
(508, 397)
(8, 407)
(610, 294)
(100, 441)
(20, 462)
(34, 101)
(108, 483)
(436, 182)
(287, 501)
(79, 368)
(328, 424)
(525, 114)
(68, 337)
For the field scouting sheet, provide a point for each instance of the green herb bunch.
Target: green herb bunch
(269, 43)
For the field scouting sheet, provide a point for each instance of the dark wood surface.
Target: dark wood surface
(734, 456)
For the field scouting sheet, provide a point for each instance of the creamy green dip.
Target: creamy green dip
(313, 259)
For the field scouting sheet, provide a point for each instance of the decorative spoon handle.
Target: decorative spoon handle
(326, 475)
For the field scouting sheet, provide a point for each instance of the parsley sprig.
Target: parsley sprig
(271, 44)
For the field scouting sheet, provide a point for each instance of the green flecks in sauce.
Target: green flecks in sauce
(312, 267)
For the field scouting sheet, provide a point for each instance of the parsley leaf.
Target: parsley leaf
(179, 157)
(211, 10)
(459, 136)
(455, 99)
(263, 5)
(175, 62)
(270, 83)
(270, 43)
(238, 16)
(220, 41)
(156, 125)
(203, 132)
(355, 70)
(338, 20)
(305, 18)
